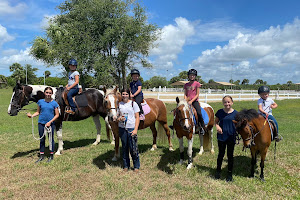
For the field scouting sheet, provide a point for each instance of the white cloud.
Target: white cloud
(7, 9)
(266, 54)
(9, 52)
(173, 38)
(4, 36)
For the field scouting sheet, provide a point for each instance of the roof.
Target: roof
(222, 83)
(297, 83)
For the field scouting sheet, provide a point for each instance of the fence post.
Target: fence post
(253, 97)
(158, 96)
(277, 96)
(239, 96)
(205, 98)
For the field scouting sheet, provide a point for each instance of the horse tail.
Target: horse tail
(207, 140)
(161, 134)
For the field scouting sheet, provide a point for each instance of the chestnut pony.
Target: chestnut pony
(158, 113)
(256, 134)
(185, 126)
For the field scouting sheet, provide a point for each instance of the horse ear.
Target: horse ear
(116, 89)
(177, 100)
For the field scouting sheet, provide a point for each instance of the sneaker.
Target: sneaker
(125, 170)
(142, 117)
(136, 170)
(71, 112)
(278, 138)
(229, 177)
(50, 158)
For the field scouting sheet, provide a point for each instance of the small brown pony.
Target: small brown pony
(184, 125)
(158, 113)
(256, 134)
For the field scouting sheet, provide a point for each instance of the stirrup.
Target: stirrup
(142, 117)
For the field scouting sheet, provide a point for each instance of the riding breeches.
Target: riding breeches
(72, 92)
(230, 148)
(196, 105)
(139, 100)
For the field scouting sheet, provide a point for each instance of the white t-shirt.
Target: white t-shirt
(72, 78)
(131, 109)
(266, 105)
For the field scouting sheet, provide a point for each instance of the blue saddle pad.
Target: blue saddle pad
(204, 116)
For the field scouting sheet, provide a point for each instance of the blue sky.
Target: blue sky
(242, 39)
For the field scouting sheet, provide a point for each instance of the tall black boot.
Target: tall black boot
(40, 158)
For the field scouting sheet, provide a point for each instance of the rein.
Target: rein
(253, 135)
(46, 130)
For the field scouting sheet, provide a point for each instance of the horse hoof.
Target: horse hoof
(95, 143)
(200, 153)
(112, 143)
(114, 159)
(171, 149)
(189, 166)
(58, 153)
(212, 151)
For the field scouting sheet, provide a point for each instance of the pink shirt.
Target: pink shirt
(191, 89)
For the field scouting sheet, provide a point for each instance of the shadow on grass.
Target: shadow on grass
(67, 145)
(106, 159)
(241, 167)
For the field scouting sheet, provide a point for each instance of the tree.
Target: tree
(105, 36)
(18, 72)
(47, 74)
(157, 81)
(245, 82)
(31, 77)
(237, 82)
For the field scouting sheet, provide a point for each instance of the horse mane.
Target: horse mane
(248, 114)
(184, 103)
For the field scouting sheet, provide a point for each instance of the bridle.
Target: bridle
(252, 136)
(179, 120)
(19, 106)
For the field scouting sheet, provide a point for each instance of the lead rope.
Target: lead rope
(46, 130)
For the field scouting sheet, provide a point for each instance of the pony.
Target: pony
(184, 125)
(256, 135)
(24, 94)
(158, 112)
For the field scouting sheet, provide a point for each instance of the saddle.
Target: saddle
(80, 100)
(146, 108)
(273, 127)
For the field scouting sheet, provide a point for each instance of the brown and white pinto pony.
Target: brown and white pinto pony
(158, 113)
(184, 125)
(256, 134)
(23, 94)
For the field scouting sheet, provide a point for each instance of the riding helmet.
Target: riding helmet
(135, 71)
(192, 71)
(263, 89)
(73, 62)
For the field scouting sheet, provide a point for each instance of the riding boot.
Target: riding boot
(40, 158)
(277, 138)
(50, 158)
(229, 176)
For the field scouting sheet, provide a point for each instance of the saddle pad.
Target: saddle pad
(204, 116)
(81, 100)
(146, 108)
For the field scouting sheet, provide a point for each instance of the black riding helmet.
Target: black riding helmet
(135, 71)
(263, 89)
(192, 71)
(73, 62)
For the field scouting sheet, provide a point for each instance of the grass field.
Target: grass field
(87, 172)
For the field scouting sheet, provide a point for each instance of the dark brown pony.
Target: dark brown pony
(185, 127)
(158, 113)
(256, 134)
(23, 94)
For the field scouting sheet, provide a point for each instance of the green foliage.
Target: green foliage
(105, 37)
(157, 81)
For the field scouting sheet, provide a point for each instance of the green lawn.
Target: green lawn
(85, 171)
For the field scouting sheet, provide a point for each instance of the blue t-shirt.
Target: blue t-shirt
(134, 87)
(47, 110)
(228, 127)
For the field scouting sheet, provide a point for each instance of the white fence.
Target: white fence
(169, 97)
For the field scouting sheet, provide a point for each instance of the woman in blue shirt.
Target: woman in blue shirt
(48, 112)
(226, 135)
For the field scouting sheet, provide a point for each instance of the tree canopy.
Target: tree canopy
(106, 37)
